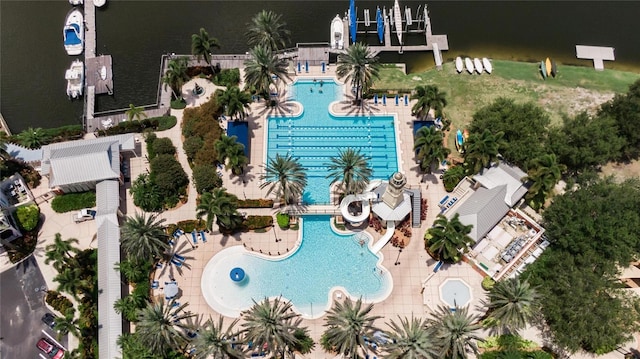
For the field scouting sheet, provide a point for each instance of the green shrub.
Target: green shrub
(227, 77)
(283, 220)
(73, 201)
(189, 225)
(131, 127)
(145, 194)
(205, 178)
(58, 301)
(164, 146)
(168, 175)
(28, 216)
(64, 133)
(191, 146)
(166, 122)
(488, 283)
(178, 104)
(451, 177)
(149, 139)
(255, 203)
(255, 222)
(13, 165)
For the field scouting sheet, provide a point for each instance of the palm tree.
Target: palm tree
(430, 149)
(129, 305)
(286, 177)
(267, 29)
(161, 327)
(70, 281)
(352, 169)
(66, 325)
(214, 341)
(224, 145)
(447, 239)
(176, 76)
(452, 176)
(512, 303)
(455, 332)
(4, 139)
(261, 69)
(202, 44)
(236, 159)
(136, 113)
(359, 66)
(348, 324)
(410, 339)
(429, 97)
(218, 205)
(271, 324)
(144, 237)
(234, 102)
(480, 150)
(59, 252)
(544, 172)
(32, 137)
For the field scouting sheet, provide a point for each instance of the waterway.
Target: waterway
(136, 33)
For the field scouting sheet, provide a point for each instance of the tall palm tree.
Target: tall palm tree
(348, 324)
(60, 252)
(447, 239)
(480, 150)
(237, 160)
(271, 324)
(32, 137)
(67, 324)
(214, 341)
(70, 281)
(261, 69)
(410, 339)
(430, 148)
(512, 303)
(352, 169)
(267, 29)
(224, 145)
(176, 76)
(544, 172)
(455, 332)
(285, 177)
(218, 205)
(429, 97)
(135, 113)
(162, 327)
(234, 102)
(359, 67)
(202, 44)
(144, 237)
(129, 305)
(452, 176)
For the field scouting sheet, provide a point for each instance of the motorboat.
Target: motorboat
(487, 65)
(75, 79)
(99, 3)
(478, 65)
(103, 73)
(547, 65)
(459, 141)
(468, 64)
(75, 2)
(543, 69)
(397, 19)
(73, 32)
(459, 64)
(337, 33)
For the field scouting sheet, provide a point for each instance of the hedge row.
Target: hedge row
(73, 201)
(58, 302)
(131, 127)
(187, 226)
(255, 222)
(255, 203)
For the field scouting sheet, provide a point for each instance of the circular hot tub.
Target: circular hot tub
(455, 292)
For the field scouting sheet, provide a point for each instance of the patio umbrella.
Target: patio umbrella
(299, 67)
(306, 66)
(384, 100)
(375, 98)
(170, 290)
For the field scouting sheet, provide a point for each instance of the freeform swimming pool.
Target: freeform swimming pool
(316, 136)
(324, 261)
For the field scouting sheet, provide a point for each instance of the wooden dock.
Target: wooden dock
(595, 53)
(93, 66)
(89, 29)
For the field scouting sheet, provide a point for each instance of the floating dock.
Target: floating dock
(596, 53)
(93, 66)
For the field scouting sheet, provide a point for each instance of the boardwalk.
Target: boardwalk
(89, 30)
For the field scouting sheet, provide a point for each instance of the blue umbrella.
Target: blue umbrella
(323, 67)
(384, 100)
(298, 66)
(352, 21)
(380, 23)
(375, 98)
(306, 66)
(396, 100)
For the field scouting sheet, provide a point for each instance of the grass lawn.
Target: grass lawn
(573, 90)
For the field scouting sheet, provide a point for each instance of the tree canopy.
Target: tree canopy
(625, 110)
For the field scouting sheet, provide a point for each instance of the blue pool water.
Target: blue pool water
(316, 136)
(323, 261)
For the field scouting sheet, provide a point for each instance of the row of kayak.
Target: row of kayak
(548, 68)
(475, 65)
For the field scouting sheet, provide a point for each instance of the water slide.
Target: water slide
(366, 206)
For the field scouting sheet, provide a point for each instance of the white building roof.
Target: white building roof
(483, 210)
(503, 174)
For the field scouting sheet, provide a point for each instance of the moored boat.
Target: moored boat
(468, 64)
(459, 140)
(554, 69)
(478, 65)
(487, 65)
(73, 32)
(99, 3)
(337, 33)
(459, 64)
(103, 73)
(397, 19)
(75, 2)
(75, 79)
(543, 70)
(547, 65)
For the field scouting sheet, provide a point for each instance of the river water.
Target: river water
(137, 33)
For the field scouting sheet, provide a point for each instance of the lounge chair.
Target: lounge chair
(172, 243)
(194, 237)
(176, 262)
(175, 304)
(179, 257)
(177, 233)
(203, 237)
(155, 284)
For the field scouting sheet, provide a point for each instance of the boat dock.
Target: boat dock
(92, 77)
(595, 53)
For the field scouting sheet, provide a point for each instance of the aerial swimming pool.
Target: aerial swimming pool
(324, 261)
(316, 135)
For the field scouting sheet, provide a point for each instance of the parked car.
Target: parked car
(49, 319)
(50, 349)
(86, 214)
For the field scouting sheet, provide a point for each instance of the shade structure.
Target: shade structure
(170, 290)
(353, 26)
(237, 274)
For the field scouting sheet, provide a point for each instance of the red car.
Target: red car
(50, 349)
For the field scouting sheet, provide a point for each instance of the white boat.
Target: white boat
(478, 65)
(337, 33)
(487, 65)
(73, 32)
(469, 65)
(397, 19)
(75, 2)
(459, 64)
(99, 3)
(75, 79)
(103, 73)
